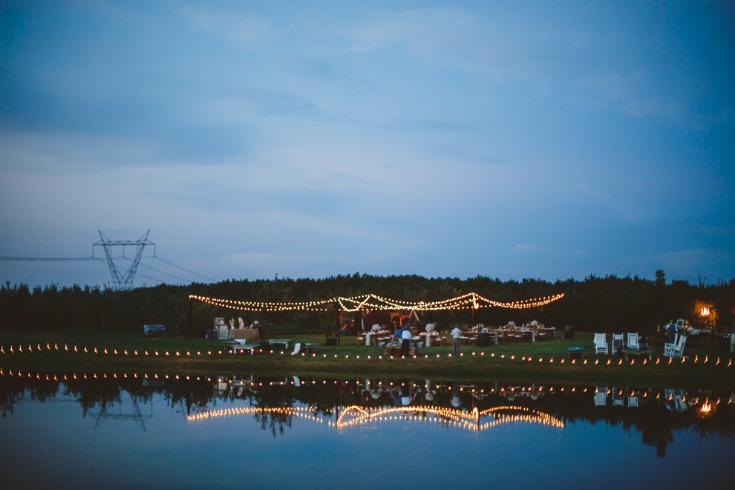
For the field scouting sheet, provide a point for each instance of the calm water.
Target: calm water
(250, 432)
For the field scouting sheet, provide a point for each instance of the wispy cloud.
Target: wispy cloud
(245, 31)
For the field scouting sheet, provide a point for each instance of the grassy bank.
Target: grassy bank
(705, 365)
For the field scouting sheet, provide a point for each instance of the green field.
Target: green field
(118, 354)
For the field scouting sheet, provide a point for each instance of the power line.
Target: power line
(155, 279)
(48, 259)
(121, 280)
(164, 272)
(185, 270)
(98, 259)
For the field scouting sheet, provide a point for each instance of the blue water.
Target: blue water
(158, 443)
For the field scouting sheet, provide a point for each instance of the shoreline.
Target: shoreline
(168, 359)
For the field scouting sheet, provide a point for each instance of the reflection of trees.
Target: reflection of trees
(9, 397)
(273, 393)
(94, 393)
(657, 432)
(274, 420)
(655, 416)
(274, 397)
(190, 394)
(13, 390)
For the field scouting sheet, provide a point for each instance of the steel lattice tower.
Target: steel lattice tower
(124, 281)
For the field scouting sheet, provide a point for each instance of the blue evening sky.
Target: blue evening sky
(540, 139)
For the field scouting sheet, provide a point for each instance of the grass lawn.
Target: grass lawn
(705, 365)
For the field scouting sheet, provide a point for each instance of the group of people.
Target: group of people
(404, 336)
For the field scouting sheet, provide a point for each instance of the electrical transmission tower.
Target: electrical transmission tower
(125, 280)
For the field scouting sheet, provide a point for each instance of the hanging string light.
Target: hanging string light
(375, 302)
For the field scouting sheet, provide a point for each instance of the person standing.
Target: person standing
(456, 333)
(406, 337)
(671, 331)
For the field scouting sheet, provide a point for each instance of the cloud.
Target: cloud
(479, 138)
(244, 31)
(428, 31)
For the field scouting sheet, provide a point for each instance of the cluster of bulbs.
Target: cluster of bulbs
(356, 415)
(300, 412)
(375, 302)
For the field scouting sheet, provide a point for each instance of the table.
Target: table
(575, 352)
(236, 346)
(308, 347)
(544, 332)
(245, 348)
(497, 335)
(244, 333)
(283, 343)
(430, 340)
(637, 352)
(369, 340)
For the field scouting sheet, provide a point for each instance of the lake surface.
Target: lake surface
(255, 432)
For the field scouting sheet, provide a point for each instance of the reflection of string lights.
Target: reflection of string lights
(375, 302)
(356, 415)
(299, 412)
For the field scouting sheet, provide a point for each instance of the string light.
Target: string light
(355, 415)
(13, 350)
(375, 302)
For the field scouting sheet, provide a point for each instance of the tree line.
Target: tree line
(610, 303)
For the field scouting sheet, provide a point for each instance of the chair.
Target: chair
(633, 401)
(601, 343)
(618, 399)
(675, 349)
(675, 398)
(669, 346)
(617, 342)
(633, 341)
(601, 396)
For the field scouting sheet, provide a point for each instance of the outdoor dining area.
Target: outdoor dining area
(384, 338)
(509, 333)
(237, 346)
(483, 336)
(397, 314)
(429, 335)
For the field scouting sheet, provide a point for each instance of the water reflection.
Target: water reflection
(342, 404)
